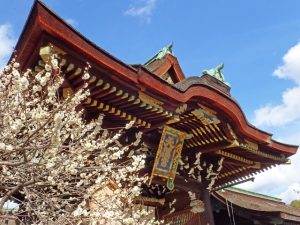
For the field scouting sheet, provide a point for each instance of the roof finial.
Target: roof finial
(164, 51)
(216, 73)
(170, 47)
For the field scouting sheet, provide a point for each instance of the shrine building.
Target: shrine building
(198, 137)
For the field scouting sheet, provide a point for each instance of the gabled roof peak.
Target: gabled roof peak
(252, 193)
(165, 65)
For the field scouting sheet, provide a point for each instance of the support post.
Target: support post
(207, 217)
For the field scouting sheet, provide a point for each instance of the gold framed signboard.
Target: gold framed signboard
(168, 155)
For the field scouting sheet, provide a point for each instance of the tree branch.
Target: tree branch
(14, 190)
(8, 163)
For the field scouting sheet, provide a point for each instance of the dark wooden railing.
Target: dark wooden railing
(184, 217)
(195, 220)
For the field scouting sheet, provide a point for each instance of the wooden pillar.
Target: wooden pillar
(207, 217)
(182, 203)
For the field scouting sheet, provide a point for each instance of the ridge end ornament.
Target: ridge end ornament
(216, 73)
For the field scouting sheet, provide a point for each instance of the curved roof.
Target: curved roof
(43, 26)
(220, 100)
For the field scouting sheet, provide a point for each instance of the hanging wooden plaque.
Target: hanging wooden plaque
(168, 155)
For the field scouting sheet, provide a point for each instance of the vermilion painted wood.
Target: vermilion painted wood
(167, 62)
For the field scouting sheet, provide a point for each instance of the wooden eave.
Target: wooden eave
(42, 19)
(43, 22)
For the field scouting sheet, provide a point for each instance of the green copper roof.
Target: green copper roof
(251, 193)
(164, 51)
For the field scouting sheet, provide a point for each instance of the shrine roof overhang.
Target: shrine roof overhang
(256, 203)
(43, 22)
(134, 92)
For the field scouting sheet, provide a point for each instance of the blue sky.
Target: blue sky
(253, 38)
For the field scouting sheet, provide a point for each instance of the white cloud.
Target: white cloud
(291, 66)
(72, 22)
(282, 181)
(284, 113)
(289, 110)
(292, 193)
(143, 9)
(7, 42)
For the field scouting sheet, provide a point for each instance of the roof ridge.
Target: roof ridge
(255, 194)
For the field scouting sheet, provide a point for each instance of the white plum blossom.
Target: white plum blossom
(54, 62)
(2, 146)
(214, 175)
(59, 168)
(86, 76)
(129, 125)
(23, 84)
(48, 67)
(16, 65)
(197, 206)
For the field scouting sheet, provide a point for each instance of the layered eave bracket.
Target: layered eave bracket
(154, 95)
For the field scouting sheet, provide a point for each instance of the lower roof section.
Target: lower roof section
(257, 205)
